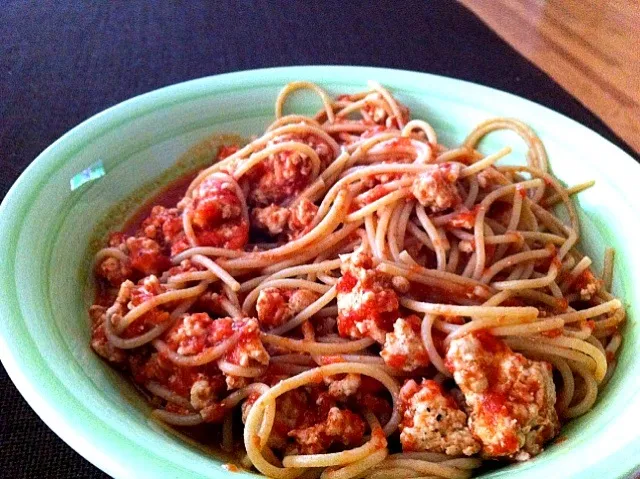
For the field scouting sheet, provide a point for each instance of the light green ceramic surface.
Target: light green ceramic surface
(45, 232)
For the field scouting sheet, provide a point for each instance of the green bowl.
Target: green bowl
(47, 232)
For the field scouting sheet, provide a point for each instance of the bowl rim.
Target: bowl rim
(31, 385)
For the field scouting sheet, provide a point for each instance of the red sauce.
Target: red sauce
(509, 445)
(584, 279)
(490, 342)
(332, 359)
(552, 333)
(464, 218)
(493, 405)
(377, 405)
(562, 304)
(396, 361)
(347, 321)
(513, 302)
(168, 197)
(414, 321)
(438, 338)
(373, 194)
(221, 329)
(147, 258)
(378, 436)
(543, 264)
(402, 141)
(317, 378)
(434, 389)
(346, 283)
(226, 151)
(370, 385)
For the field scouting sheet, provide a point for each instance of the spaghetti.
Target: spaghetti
(372, 303)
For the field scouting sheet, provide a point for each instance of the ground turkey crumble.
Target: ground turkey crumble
(432, 421)
(403, 348)
(367, 303)
(285, 223)
(511, 398)
(276, 306)
(436, 188)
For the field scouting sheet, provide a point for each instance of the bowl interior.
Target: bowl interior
(49, 236)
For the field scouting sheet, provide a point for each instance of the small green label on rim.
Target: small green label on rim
(94, 172)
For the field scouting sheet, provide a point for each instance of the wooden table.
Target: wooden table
(590, 47)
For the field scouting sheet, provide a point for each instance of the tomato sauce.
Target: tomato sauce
(490, 342)
(168, 197)
(346, 283)
(463, 218)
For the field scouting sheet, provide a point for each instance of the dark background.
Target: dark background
(61, 62)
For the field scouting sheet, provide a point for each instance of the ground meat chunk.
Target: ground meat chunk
(287, 223)
(146, 255)
(403, 348)
(378, 115)
(436, 188)
(282, 176)
(163, 225)
(194, 333)
(275, 306)
(511, 398)
(295, 409)
(342, 388)
(249, 352)
(226, 150)
(217, 214)
(131, 295)
(432, 421)
(462, 218)
(206, 397)
(367, 303)
(114, 270)
(202, 394)
(271, 219)
(250, 349)
(341, 427)
(111, 269)
(303, 212)
(586, 284)
(99, 341)
(145, 289)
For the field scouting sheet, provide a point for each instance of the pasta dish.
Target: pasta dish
(346, 297)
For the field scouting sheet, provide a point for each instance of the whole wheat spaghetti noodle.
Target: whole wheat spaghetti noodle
(344, 297)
